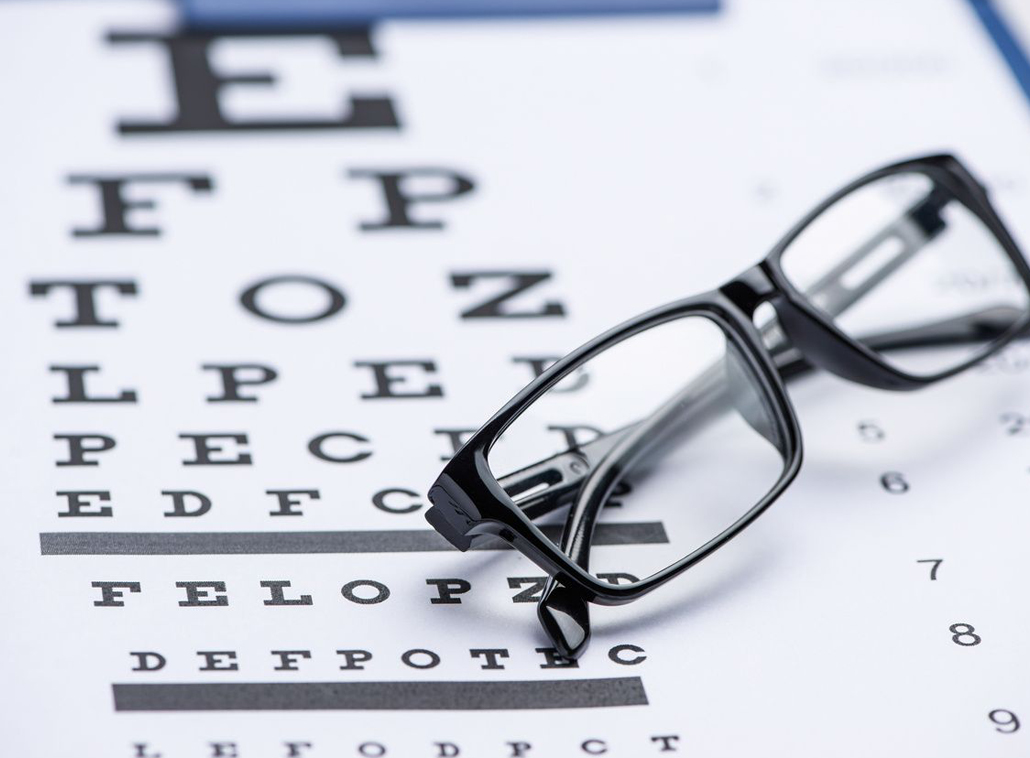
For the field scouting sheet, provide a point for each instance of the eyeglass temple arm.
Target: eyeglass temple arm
(562, 475)
(833, 293)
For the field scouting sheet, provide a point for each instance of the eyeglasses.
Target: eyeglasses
(902, 278)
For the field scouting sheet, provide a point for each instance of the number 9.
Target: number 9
(1006, 721)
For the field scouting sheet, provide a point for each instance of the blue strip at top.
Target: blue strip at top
(1006, 42)
(320, 14)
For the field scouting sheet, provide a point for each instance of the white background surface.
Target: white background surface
(640, 160)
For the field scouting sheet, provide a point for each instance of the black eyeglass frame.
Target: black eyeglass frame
(468, 501)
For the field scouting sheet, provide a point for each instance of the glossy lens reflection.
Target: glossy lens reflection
(667, 436)
(903, 266)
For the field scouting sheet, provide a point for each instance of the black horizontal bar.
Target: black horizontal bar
(381, 696)
(267, 543)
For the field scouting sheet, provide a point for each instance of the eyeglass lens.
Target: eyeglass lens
(903, 266)
(669, 429)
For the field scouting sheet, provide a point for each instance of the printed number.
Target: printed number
(933, 569)
(1007, 722)
(963, 634)
(1015, 423)
(870, 431)
(894, 483)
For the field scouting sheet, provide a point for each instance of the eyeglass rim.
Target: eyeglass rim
(492, 511)
(818, 336)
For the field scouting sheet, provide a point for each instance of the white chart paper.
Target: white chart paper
(599, 166)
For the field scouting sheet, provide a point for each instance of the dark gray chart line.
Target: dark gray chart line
(290, 543)
(381, 696)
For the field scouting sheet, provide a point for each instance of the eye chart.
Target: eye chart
(257, 288)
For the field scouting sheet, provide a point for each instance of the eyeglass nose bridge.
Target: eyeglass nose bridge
(813, 335)
(749, 290)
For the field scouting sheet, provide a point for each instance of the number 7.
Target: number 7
(936, 564)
